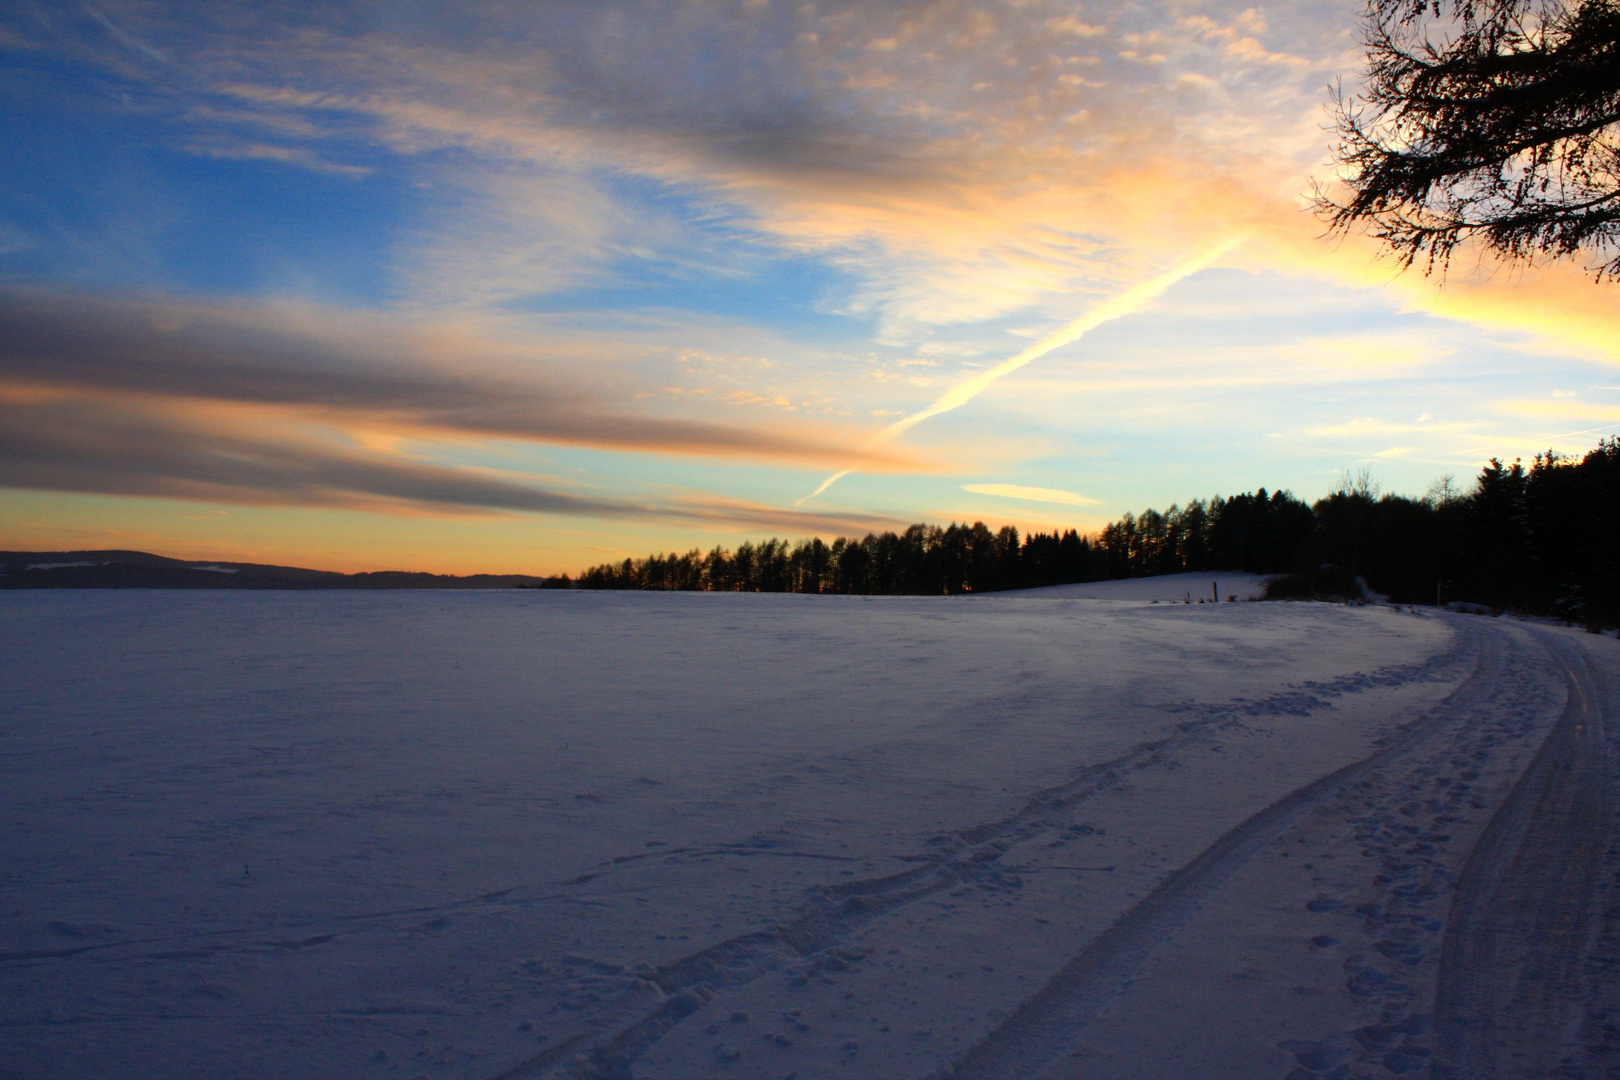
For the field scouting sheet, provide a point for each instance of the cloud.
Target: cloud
(300, 156)
(1032, 494)
(962, 170)
(66, 440)
(125, 39)
(1068, 24)
(948, 171)
(965, 391)
(986, 159)
(1563, 410)
(363, 371)
(298, 405)
(1113, 308)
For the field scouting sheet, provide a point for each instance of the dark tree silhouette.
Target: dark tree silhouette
(1507, 131)
(1544, 539)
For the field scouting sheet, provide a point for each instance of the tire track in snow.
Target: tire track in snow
(611, 1042)
(1045, 1027)
(1511, 994)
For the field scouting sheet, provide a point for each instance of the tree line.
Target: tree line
(1543, 539)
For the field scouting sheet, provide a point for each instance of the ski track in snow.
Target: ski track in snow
(1045, 1026)
(964, 857)
(1458, 917)
(1513, 982)
(1513, 993)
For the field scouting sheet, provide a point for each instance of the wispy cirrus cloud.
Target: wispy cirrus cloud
(712, 232)
(303, 157)
(960, 162)
(965, 391)
(364, 371)
(1026, 493)
(96, 443)
(918, 145)
(291, 405)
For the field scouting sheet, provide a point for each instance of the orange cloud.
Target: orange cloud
(946, 153)
(361, 371)
(253, 454)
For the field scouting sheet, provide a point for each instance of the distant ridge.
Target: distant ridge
(142, 570)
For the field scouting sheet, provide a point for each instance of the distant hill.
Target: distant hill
(141, 570)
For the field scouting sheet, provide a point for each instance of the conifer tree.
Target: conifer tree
(1489, 120)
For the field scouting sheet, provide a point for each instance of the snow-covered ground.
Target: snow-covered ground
(1166, 588)
(552, 834)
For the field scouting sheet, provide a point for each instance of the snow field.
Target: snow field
(1165, 588)
(672, 835)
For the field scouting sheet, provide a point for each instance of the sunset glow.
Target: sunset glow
(524, 288)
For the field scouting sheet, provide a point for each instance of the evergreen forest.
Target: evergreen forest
(1543, 539)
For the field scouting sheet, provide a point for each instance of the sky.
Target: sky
(524, 287)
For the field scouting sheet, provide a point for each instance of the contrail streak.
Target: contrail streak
(1109, 310)
(825, 484)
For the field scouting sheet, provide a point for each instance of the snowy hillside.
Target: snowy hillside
(1171, 588)
(563, 834)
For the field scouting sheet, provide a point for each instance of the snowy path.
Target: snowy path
(1531, 905)
(518, 836)
(1045, 1027)
(1513, 933)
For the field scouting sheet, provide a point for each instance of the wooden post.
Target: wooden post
(1215, 590)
